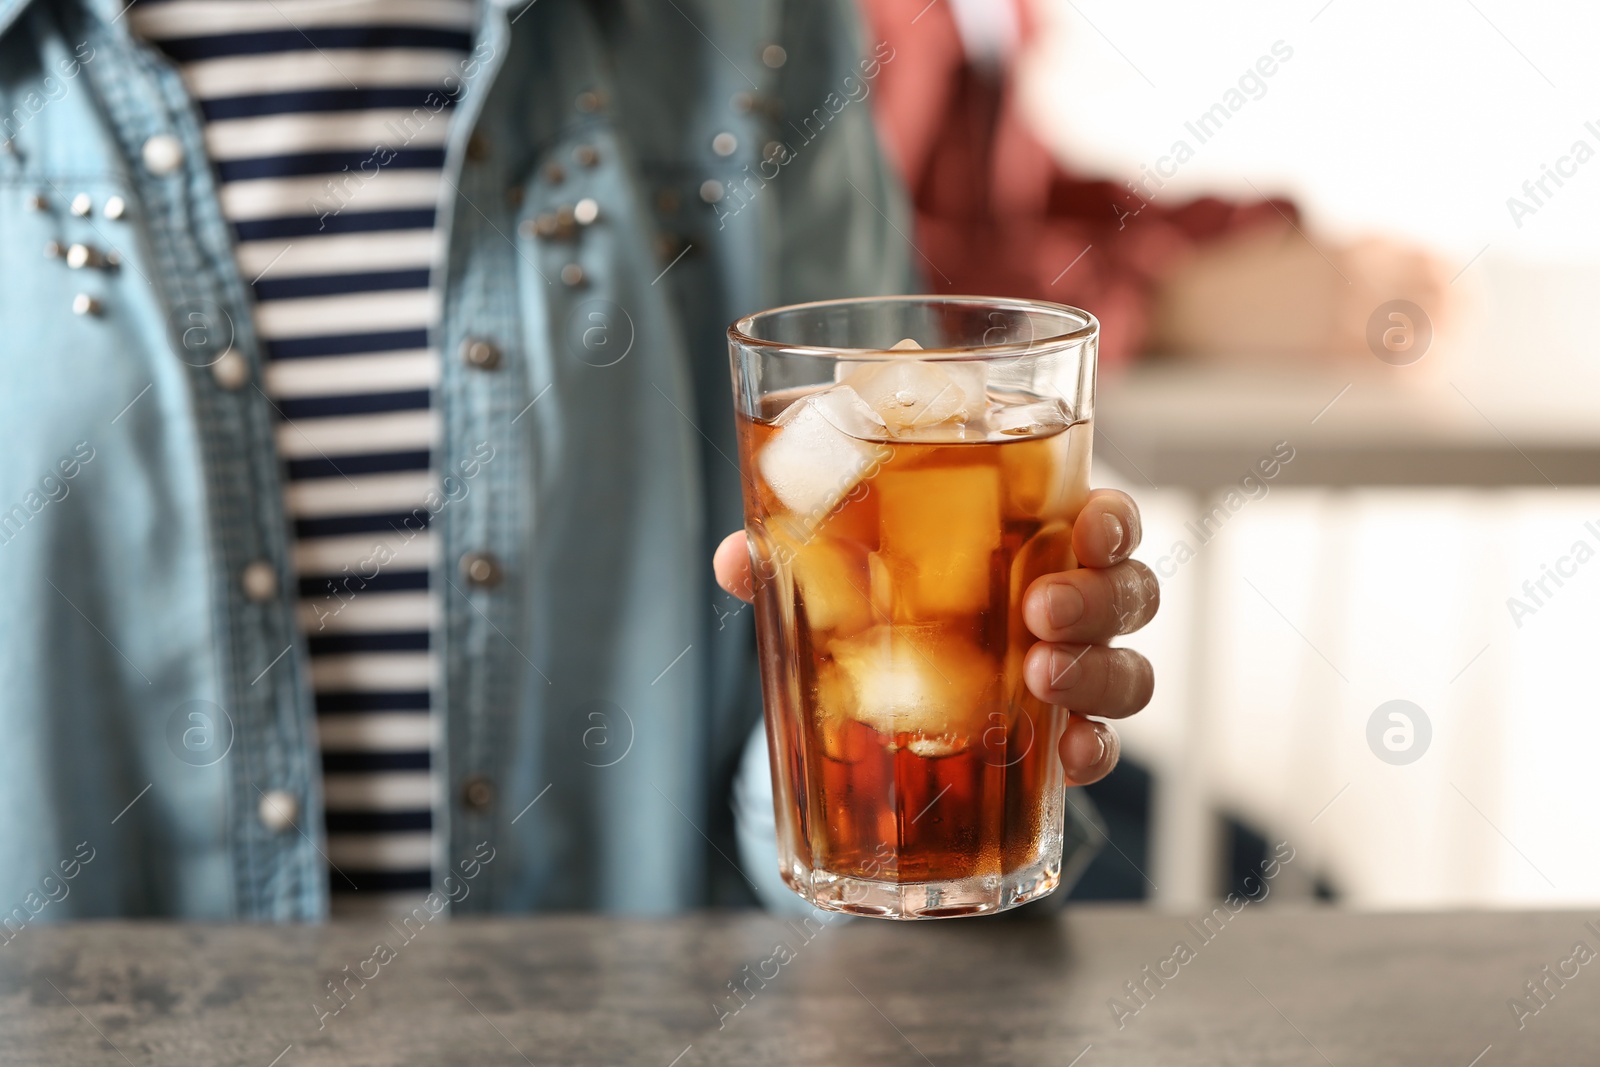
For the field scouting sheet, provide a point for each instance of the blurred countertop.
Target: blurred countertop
(1095, 986)
(1202, 427)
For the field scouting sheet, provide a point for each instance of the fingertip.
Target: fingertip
(1108, 529)
(1048, 668)
(1089, 750)
(1052, 605)
(731, 564)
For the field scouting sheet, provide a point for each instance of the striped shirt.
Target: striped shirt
(325, 121)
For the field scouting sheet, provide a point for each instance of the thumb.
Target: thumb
(731, 562)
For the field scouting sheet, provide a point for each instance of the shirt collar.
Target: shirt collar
(105, 10)
(10, 11)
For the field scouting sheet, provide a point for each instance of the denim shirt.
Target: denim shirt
(596, 701)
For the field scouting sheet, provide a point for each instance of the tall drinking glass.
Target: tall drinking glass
(910, 466)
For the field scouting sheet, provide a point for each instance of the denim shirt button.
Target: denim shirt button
(260, 581)
(278, 810)
(230, 371)
(476, 352)
(115, 208)
(162, 154)
(477, 792)
(81, 205)
(481, 570)
(724, 144)
(586, 211)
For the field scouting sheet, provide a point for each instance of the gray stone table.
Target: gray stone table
(1270, 986)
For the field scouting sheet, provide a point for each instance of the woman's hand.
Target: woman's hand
(1074, 614)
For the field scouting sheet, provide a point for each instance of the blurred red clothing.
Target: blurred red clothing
(996, 213)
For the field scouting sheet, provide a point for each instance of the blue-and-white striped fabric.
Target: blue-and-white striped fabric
(325, 121)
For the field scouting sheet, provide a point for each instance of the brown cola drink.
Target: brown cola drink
(896, 518)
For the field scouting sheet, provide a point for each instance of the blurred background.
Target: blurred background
(1367, 238)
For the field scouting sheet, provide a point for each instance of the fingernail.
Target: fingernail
(1064, 605)
(1100, 731)
(1115, 534)
(1063, 668)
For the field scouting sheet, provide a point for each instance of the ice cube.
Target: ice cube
(1047, 477)
(1027, 420)
(939, 527)
(887, 604)
(943, 745)
(844, 738)
(915, 394)
(833, 582)
(846, 411)
(843, 370)
(821, 451)
(925, 681)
